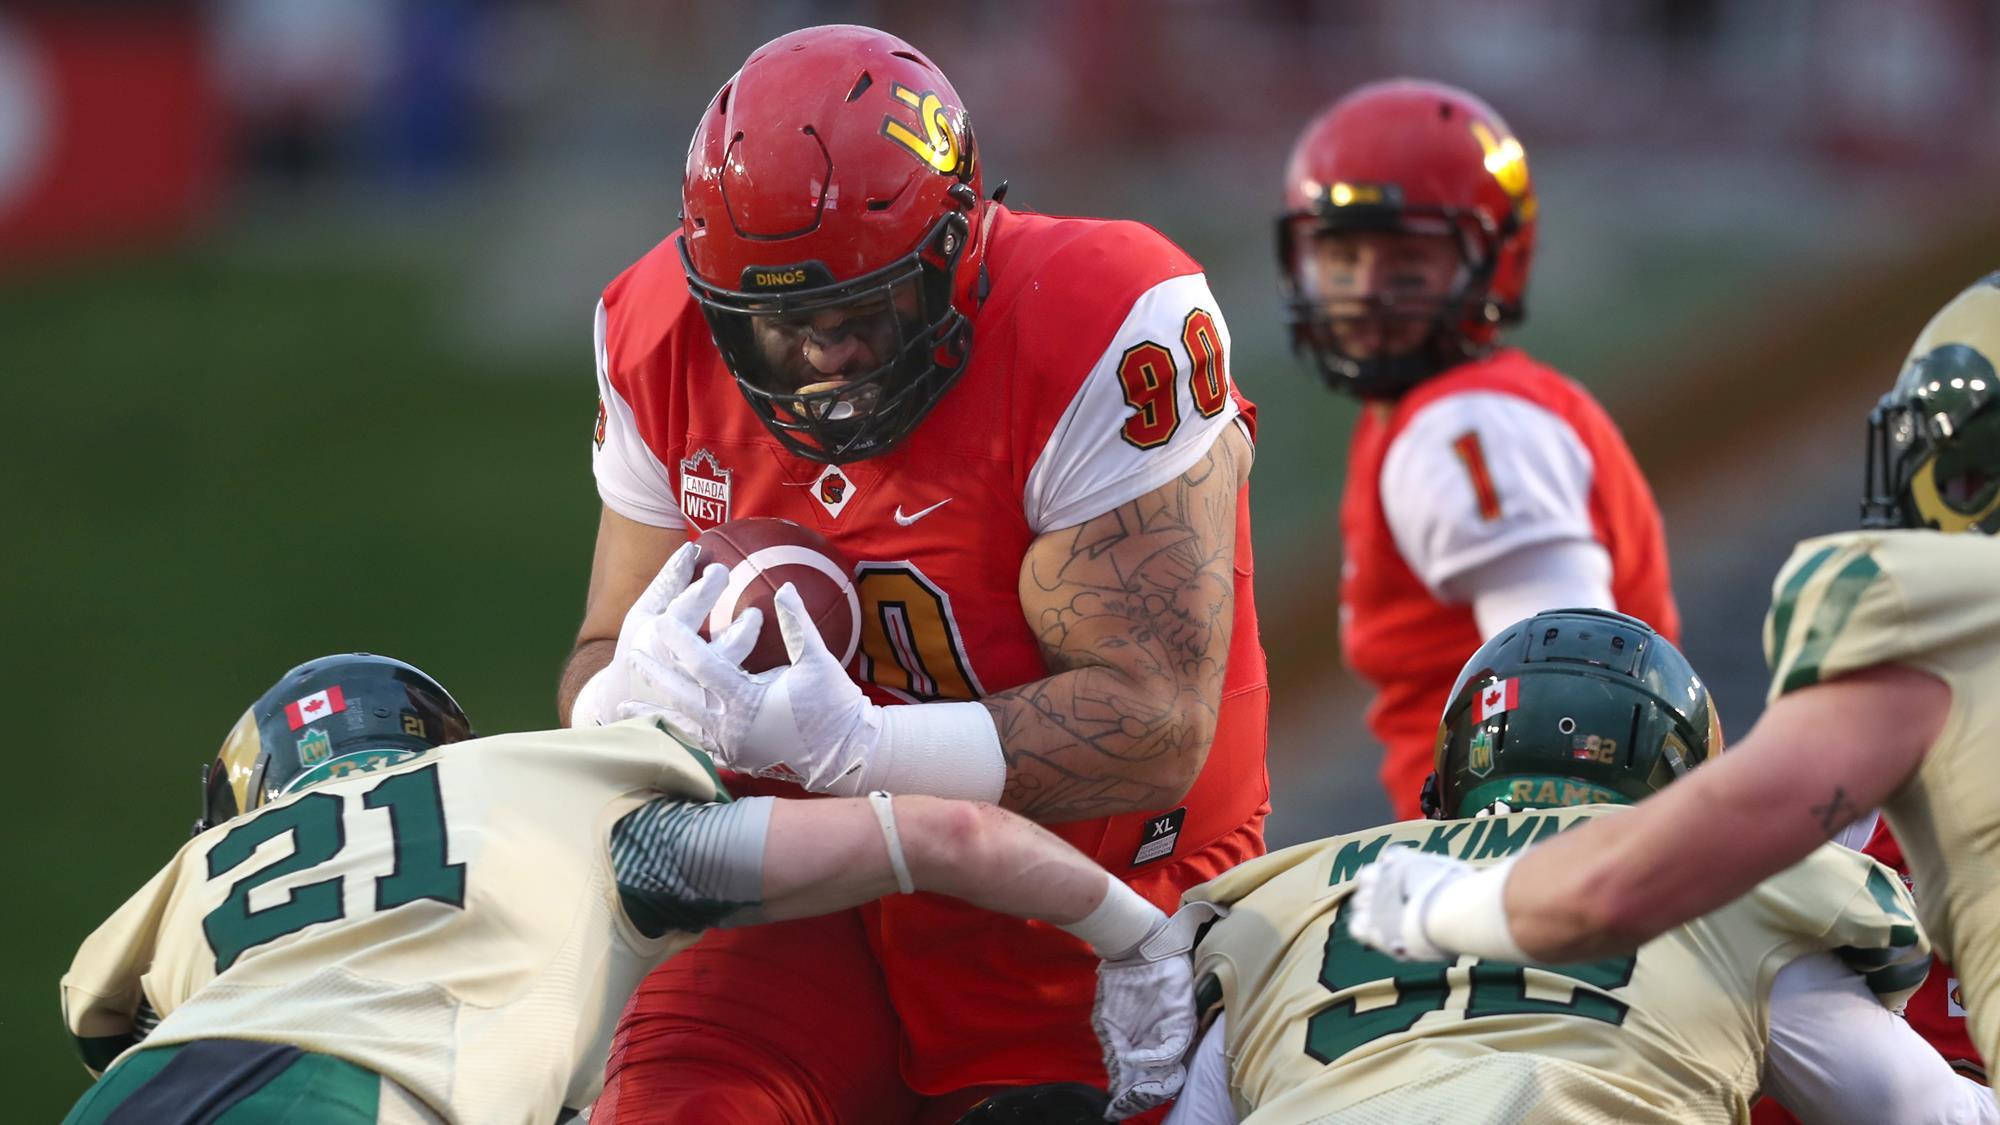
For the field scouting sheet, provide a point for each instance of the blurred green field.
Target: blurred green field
(224, 463)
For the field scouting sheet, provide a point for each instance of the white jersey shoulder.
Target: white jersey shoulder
(1923, 600)
(1156, 398)
(630, 478)
(1862, 598)
(1478, 474)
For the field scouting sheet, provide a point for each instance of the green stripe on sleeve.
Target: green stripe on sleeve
(1787, 603)
(1842, 593)
(1866, 960)
(1897, 978)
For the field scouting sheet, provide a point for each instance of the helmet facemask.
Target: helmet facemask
(1418, 333)
(901, 316)
(1934, 447)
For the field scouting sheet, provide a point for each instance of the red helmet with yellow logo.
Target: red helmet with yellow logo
(1420, 157)
(830, 232)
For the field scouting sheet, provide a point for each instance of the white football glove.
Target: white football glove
(1391, 897)
(604, 694)
(1145, 1015)
(806, 722)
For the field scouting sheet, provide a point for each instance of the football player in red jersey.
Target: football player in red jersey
(1482, 486)
(1023, 430)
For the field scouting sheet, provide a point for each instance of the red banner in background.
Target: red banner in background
(110, 131)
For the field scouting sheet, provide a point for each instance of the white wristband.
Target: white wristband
(1469, 915)
(593, 706)
(885, 815)
(939, 749)
(1116, 926)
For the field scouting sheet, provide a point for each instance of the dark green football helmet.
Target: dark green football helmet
(1569, 707)
(327, 718)
(1934, 439)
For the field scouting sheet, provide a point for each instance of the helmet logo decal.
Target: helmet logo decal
(941, 146)
(1346, 195)
(1931, 503)
(704, 489)
(315, 747)
(1559, 792)
(350, 765)
(1501, 696)
(1508, 164)
(1594, 748)
(314, 707)
(1479, 754)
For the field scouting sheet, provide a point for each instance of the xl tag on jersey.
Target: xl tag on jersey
(1158, 837)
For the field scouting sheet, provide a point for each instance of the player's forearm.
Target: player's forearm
(996, 860)
(1094, 742)
(1004, 863)
(585, 660)
(1134, 612)
(1817, 759)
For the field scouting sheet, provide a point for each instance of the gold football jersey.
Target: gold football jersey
(1322, 1028)
(1929, 601)
(452, 923)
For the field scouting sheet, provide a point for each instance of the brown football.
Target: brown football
(763, 554)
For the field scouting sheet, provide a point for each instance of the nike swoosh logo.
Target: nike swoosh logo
(915, 516)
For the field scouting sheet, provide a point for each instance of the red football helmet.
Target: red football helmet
(830, 231)
(1416, 157)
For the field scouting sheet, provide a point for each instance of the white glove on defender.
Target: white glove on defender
(805, 722)
(1392, 896)
(1145, 1015)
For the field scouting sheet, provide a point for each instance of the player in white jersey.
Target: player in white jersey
(383, 919)
(1556, 722)
(1884, 647)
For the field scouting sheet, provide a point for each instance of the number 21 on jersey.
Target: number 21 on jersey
(320, 831)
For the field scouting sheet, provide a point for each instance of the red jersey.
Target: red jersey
(1491, 456)
(1098, 373)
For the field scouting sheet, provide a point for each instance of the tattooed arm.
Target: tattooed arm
(1133, 610)
(1818, 758)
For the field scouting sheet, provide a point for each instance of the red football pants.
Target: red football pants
(792, 1022)
(788, 1022)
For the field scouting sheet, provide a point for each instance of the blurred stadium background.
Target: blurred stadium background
(295, 302)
